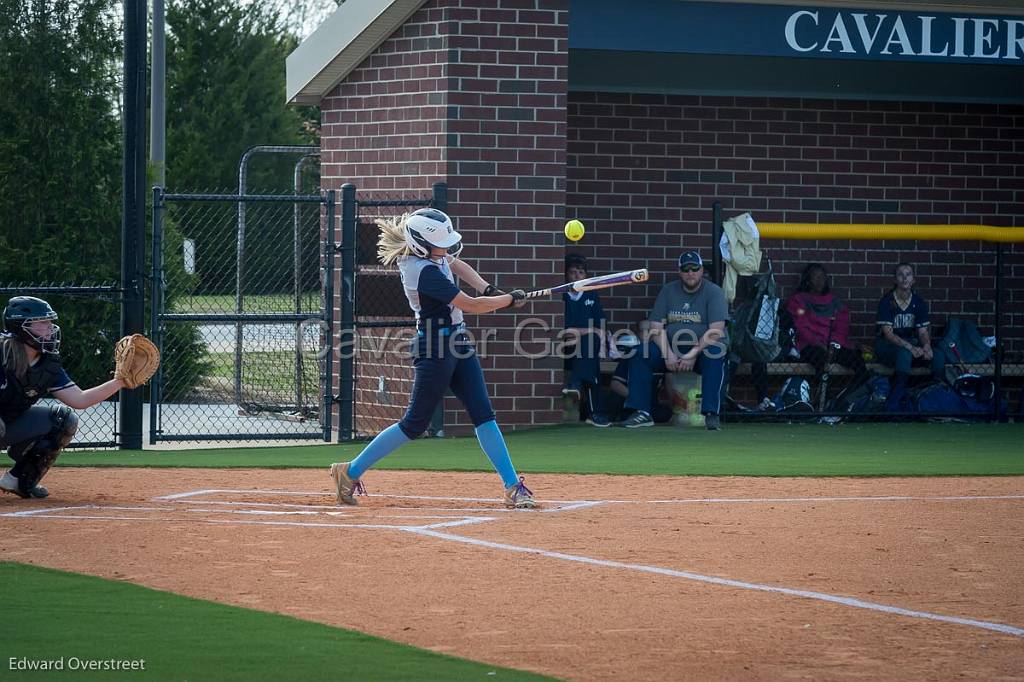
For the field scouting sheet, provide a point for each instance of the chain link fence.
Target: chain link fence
(238, 309)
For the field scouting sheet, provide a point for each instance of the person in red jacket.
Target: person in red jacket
(822, 324)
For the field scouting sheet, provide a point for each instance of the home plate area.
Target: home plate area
(298, 508)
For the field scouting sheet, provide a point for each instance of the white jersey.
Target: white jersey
(430, 288)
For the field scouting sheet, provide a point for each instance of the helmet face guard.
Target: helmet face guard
(45, 344)
(24, 311)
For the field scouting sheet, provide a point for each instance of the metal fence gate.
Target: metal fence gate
(375, 374)
(238, 309)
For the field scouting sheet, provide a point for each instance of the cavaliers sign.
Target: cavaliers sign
(884, 34)
(796, 31)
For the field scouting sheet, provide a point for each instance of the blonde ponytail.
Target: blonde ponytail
(391, 243)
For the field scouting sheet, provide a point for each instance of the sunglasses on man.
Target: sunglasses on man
(690, 268)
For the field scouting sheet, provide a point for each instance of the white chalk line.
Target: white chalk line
(864, 498)
(431, 530)
(249, 522)
(560, 505)
(60, 513)
(806, 594)
(334, 506)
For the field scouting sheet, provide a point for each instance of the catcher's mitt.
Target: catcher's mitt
(136, 359)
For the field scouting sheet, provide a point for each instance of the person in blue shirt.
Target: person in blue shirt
(584, 327)
(30, 370)
(903, 334)
(425, 247)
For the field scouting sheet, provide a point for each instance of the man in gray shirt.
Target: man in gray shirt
(687, 333)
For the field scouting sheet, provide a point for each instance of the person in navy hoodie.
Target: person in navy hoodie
(584, 324)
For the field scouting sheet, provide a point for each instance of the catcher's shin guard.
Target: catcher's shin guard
(36, 458)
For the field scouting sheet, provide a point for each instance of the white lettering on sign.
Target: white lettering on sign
(791, 30)
(983, 38)
(898, 36)
(926, 39)
(1014, 38)
(858, 33)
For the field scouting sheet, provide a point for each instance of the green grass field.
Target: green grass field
(737, 450)
(226, 303)
(68, 616)
(276, 370)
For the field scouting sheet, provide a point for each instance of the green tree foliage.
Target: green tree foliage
(60, 163)
(226, 93)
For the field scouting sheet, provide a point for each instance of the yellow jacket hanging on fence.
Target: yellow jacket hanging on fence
(741, 251)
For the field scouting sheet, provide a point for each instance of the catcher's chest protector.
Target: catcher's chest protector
(17, 396)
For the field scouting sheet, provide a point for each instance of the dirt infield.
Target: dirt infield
(640, 578)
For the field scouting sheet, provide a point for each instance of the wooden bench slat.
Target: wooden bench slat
(804, 369)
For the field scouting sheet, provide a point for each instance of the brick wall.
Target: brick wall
(472, 94)
(475, 94)
(383, 129)
(507, 181)
(644, 171)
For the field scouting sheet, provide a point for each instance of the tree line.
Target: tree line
(61, 138)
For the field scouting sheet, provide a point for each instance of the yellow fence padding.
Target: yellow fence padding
(986, 233)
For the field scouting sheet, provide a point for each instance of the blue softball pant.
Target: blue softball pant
(437, 367)
(901, 360)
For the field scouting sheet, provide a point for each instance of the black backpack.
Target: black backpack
(755, 324)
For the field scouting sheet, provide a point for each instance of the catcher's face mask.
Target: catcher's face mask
(45, 334)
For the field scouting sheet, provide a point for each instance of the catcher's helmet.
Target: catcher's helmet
(21, 312)
(430, 228)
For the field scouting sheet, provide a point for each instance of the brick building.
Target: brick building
(637, 116)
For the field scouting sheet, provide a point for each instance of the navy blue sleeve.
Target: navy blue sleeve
(598, 311)
(885, 314)
(435, 285)
(921, 318)
(61, 381)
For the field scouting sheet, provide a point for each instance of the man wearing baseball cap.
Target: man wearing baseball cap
(687, 333)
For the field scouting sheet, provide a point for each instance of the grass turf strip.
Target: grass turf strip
(737, 450)
(65, 616)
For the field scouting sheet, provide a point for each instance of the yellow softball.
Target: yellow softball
(574, 230)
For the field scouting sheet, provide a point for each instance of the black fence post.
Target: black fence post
(329, 254)
(997, 402)
(347, 326)
(716, 237)
(156, 306)
(133, 220)
(440, 202)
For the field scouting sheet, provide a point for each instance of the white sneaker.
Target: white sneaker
(518, 496)
(8, 483)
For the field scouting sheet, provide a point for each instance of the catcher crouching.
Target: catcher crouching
(30, 369)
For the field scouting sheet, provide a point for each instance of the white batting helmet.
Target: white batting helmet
(430, 228)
